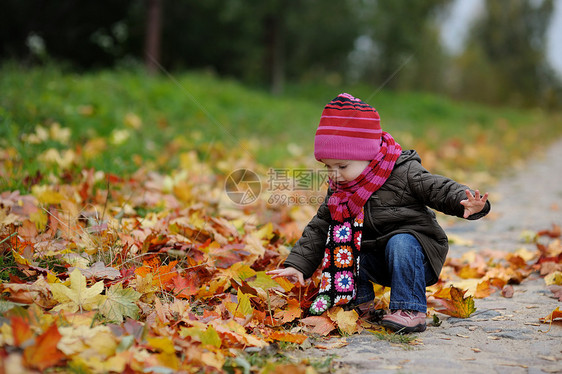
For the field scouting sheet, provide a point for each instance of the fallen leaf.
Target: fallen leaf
(557, 291)
(554, 315)
(77, 296)
(242, 308)
(119, 303)
(44, 353)
(346, 321)
(99, 271)
(291, 312)
(319, 324)
(553, 279)
(507, 291)
(332, 344)
(288, 337)
(483, 289)
(184, 287)
(21, 330)
(458, 306)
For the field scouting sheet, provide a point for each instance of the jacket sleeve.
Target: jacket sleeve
(308, 252)
(440, 193)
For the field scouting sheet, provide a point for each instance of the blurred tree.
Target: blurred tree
(320, 37)
(153, 35)
(88, 33)
(505, 59)
(406, 51)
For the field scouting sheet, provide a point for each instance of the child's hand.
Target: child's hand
(291, 273)
(473, 204)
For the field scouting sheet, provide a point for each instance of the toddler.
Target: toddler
(375, 224)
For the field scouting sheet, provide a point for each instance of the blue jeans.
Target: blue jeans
(404, 265)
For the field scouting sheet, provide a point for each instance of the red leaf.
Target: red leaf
(555, 232)
(184, 287)
(44, 353)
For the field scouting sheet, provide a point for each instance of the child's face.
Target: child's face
(345, 170)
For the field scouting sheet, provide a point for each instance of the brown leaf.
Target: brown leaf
(319, 325)
(507, 291)
(557, 291)
(98, 271)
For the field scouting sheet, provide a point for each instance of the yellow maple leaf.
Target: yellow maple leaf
(167, 356)
(241, 309)
(345, 320)
(77, 297)
(458, 305)
(554, 278)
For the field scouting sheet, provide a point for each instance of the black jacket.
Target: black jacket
(399, 206)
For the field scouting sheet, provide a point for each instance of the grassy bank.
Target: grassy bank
(58, 123)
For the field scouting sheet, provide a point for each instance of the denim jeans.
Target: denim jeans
(405, 265)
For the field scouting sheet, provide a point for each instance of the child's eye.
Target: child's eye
(343, 166)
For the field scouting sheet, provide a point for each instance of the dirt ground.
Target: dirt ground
(504, 334)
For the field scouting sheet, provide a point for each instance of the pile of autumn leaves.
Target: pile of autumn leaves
(161, 274)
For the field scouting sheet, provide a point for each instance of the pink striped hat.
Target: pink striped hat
(349, 129)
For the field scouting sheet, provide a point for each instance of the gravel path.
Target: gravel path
(503, 335)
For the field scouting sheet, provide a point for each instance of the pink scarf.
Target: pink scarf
(340, 265)
(349, 197)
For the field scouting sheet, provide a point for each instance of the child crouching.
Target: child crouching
(375, 224)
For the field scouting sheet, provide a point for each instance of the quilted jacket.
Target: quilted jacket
(401, 205)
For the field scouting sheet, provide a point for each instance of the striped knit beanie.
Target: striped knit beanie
(349, 129)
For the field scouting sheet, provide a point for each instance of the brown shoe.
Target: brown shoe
(404, 321)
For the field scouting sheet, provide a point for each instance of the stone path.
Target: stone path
(503, 335)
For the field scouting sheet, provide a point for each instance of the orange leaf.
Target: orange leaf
(555, 314)
(162, 274)
(458, 306)
(288, 337)
(44, 353)
(285, 283)
(483, 289)
(292, 311)
(21, 330)
(497, 282)
(442, 293)
(320, 325)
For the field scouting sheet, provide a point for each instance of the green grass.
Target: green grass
(121, 120)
